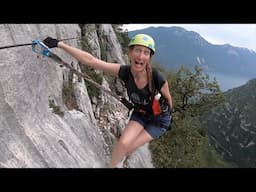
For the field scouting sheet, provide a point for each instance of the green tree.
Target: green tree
(194, 93)
(186, 145)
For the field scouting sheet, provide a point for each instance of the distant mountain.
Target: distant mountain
(232, 126)
(176, 46)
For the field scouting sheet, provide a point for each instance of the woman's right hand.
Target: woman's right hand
(51, 42)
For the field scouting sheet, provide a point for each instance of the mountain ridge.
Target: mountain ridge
(176, 46)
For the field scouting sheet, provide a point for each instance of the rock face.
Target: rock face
(37, 129)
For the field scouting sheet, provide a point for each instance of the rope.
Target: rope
(86, 77)
(26, 44)
(18, 45)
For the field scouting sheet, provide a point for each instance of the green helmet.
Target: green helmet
(145, 40)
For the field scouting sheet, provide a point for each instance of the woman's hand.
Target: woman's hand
(51, 42)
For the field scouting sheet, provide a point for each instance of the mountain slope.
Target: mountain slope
(232, 126)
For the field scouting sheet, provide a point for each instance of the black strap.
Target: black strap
(153, 80)
(126, 103)
(154, 90)
(155, 84)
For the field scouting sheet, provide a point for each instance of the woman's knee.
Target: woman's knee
(124, 143)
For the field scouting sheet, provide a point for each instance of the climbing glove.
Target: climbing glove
(51, 42)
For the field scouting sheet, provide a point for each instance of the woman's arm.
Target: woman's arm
(88, 59)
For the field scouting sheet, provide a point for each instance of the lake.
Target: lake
(228, 81)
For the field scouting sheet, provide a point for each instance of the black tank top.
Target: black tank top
(140, 97)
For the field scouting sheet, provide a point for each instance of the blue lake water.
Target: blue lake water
(227, 81)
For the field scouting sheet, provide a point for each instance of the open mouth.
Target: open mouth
(138, 63)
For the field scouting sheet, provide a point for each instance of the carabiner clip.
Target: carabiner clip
(40, 48)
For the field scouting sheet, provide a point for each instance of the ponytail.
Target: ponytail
(149, 76)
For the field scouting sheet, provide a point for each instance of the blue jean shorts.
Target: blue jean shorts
(156, 126)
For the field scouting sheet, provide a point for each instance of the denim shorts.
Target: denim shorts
(156, 126)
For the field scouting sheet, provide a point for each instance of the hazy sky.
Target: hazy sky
(239, 35)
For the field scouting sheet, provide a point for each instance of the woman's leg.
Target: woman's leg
(143, 138)
(127, 138)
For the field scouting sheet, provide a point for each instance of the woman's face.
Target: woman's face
(139, 57)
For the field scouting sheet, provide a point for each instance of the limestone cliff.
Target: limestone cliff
(37, 128)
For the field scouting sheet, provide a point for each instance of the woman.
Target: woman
(142, 83)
